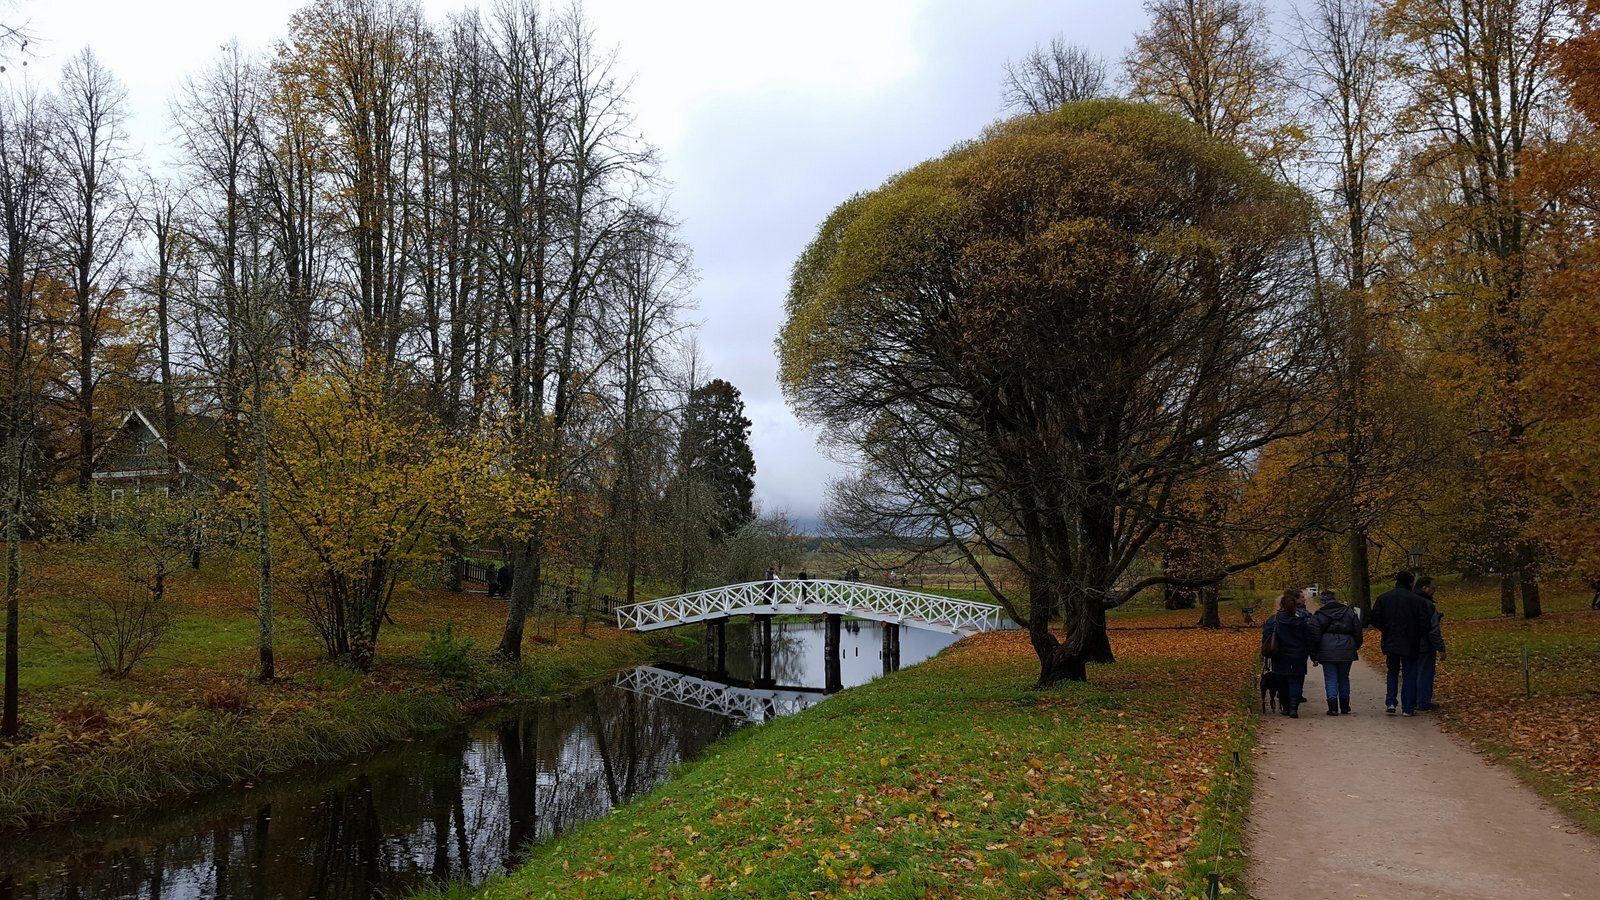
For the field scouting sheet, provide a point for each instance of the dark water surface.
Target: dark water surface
(458, 805)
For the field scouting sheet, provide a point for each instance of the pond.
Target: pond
(456, 805)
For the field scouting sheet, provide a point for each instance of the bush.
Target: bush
(121, 627)
(448, 655)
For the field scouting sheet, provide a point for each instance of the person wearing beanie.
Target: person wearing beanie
(1339, 633)
(1402, 616)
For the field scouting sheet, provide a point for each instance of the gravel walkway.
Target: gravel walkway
(1371, 805)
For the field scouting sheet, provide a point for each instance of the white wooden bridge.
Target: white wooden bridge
(815, 597)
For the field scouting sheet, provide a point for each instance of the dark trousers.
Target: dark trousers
(1290, 687)
(1403, 679)
(1427, 664)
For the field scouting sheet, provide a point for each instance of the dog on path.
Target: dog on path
(1271, 685)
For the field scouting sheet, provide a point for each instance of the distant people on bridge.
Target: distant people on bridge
(1404, 617)
(492, 580)
(1339, 633)
(1432, 647)
(802, 578)
(1287, 640)
(507, 579)
(571, 595)
(771, 586)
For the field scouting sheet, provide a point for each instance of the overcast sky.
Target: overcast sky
(767, 113)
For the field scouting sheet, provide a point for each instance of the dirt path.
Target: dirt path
(1382, 806)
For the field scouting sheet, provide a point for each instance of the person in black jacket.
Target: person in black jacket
(1296, 637)
(1339, 633)
(1433, 648)
(1402, 615)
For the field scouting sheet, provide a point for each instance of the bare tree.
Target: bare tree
(1372, 447)
(14, 40)
(95, 218)
(159, 216)
(25, 170)
(1210, 61)
(1052, 75)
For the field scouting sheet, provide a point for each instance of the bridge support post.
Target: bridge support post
(830, 645)
(764, 657)
(717, 645)
(891, 648)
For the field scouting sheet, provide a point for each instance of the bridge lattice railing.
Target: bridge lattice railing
(793, 596)
(748, 704)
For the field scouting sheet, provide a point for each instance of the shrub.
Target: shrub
(122, 627)
(447, 654)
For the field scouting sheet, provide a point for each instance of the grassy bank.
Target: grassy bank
(190, 717)
(952, 778)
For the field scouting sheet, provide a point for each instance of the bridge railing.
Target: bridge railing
(748, 704)
(850, 597)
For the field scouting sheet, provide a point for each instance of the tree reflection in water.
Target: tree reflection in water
(460, 805)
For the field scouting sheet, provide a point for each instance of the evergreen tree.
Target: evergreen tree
(716, 453)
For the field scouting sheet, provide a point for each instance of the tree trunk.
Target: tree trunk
(1211, 615)
(524, 588)
(15, 454)
(267, 668)
(1056, 664)
(1508, 594)
(1531, 607)
(8, 720)
(1360, 575)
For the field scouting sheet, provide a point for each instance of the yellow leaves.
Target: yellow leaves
(359, 476)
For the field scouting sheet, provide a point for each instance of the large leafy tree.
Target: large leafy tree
(1563, 378)
(1037, 341)
(1482, 94)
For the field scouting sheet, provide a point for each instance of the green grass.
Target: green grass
(951, 778)
(191, 717)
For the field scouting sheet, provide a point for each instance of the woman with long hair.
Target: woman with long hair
(1287, 640)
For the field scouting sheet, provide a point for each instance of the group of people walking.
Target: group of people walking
(1331, 638)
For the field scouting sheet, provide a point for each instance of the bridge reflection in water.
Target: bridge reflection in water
(763, 670)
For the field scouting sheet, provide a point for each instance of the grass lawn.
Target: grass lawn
(190, 716)
(952, 778)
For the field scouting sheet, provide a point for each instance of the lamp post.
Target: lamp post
(1416, 560)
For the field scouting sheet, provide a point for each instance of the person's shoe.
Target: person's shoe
(1408, 714)
(1344, 707)
(1333, 707)
(1390, 709)
(1294, 713)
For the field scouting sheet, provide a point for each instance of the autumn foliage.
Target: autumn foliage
(367, 490)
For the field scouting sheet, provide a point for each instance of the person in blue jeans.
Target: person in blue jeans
(1432, 648)
(1339, 633)
(1402, 615)
(1296, 637)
